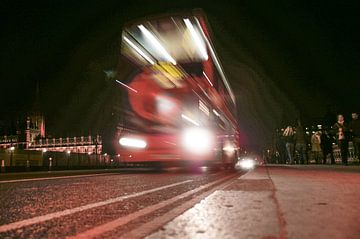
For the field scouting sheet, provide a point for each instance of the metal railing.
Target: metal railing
(68, 141)
(9, 139)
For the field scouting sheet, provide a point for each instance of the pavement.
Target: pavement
(269, 202)
(276, 202)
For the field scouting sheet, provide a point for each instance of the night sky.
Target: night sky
(284, 59)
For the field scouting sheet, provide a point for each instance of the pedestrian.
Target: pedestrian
(326, 146)
(280, 147)
(341, 132)
(315, 146)
(300, 144)
(288, 137)
(354, 127)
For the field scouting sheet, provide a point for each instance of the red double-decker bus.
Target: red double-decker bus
(180, 106)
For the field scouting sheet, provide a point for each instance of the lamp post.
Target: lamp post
(43, 154)
(3, 166)
(105, 159)
(96, 152)
(12, 148)
(28, 161)
(68, 152)
(118, 159)
(89, 153)
(78, 156)
(50, 163)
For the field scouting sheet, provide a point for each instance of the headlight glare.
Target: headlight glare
(246, 164)
(197, 140)
(132, 142)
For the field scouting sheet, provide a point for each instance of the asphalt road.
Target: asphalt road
(101, 204)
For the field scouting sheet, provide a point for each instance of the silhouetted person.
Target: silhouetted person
(315, 146)
(354, 128)
(280, 148)
(326, 146)
(341, 132)
(300, 143)
(288, 136)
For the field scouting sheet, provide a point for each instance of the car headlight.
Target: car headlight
(197, 140)
(247, 164)
(132, 142)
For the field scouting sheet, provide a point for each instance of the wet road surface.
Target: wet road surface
(101, 205)
(268, 202)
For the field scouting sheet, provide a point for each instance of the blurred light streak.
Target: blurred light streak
(157, 44)
(217, 63)
(203, 108)
(189, 119)
(208, 79)
(126, 86)
(200, 44)
(138, 50)
(216, 113)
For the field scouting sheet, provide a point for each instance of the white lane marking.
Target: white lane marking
(244, 175)
(50, 216)
(96, 231)
(51, 178)
(255, 174)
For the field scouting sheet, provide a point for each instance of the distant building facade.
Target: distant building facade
(88, 144)
(33, 137)
(29, 145)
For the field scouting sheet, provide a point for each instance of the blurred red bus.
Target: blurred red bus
(181, 108)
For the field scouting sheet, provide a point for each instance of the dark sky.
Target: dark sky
(283, 59)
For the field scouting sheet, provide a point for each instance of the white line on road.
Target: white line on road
(39, 219)
(52, 178)
(96, 231)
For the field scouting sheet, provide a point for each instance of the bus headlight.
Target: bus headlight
(197, 140)
(132, 142)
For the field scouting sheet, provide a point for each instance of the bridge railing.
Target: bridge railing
(68, 141)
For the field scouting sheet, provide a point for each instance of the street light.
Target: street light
(50, 163)
(89, 153)
(68, 158)
(104, 159)
(12, 148)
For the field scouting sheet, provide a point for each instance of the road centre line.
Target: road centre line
(110, 226)
(56, 177)
(50, 216)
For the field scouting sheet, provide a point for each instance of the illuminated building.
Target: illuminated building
(28, 145)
